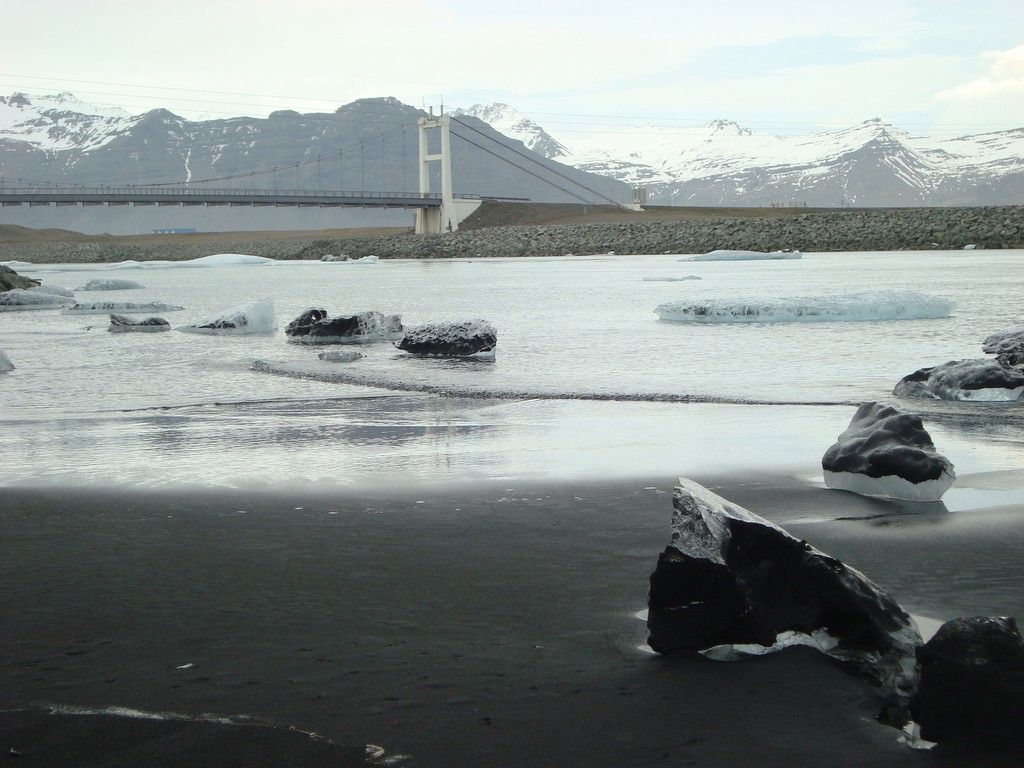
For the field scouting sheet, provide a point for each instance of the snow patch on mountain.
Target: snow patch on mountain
(60, 121)
(659, 156)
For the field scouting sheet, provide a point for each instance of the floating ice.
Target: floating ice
(20, 298)
(980, 380)
(213, 260)
(471, 338)
(119, 307)
(730, 255)
(122, 324)
(854, 307)
(340, 356)
(52, 290)
(5, 362)
(342, 257)
(255, 317)
(110, 285)
(1008, 347)
(672, 279)
(315, 326)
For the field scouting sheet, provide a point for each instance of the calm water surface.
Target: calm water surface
(586, 380)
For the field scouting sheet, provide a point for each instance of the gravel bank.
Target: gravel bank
(890, 229)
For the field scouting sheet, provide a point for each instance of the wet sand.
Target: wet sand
(480, 625)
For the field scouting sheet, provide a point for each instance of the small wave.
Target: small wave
(855, 307)
(445, 390)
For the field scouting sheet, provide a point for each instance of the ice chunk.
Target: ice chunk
(53, 290)
(980, 380)
(732, 578)
(255, 317)
(736, 255)
(340, 356)
(887, 453)
(119, 307)
(314, 326)
(1008, 346)
(472, 338)
(109, 285)
(213, 260)
(20, 298)
(854, 307)
(122, 324)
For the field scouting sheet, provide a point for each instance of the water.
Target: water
(587, 380)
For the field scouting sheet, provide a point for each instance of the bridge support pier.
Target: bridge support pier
(452, 211)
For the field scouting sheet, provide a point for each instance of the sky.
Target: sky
(931, 67)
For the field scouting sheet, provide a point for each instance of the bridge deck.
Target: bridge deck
(229, 197)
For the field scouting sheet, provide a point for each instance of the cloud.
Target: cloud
(1005, 79)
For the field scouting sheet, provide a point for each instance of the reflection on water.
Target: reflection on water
(85, 405)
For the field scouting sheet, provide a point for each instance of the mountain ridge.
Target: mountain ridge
(499, 152)
(721, 162)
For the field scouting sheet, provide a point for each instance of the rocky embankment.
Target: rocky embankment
(880, 229)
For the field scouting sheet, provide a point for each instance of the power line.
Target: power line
(536, 162)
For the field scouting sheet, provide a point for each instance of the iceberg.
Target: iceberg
(314, 326)
(52, 290)
(731, 255)
(119, 307)
(731, 578)
(1007, 345)
(255, 317)
(854, 307)
(471, 338)
(5, 362)
(21, 298)
(340, 356)
(122, 324)
(110, 285)
(979, 380)
(887, 453)
(213, 260)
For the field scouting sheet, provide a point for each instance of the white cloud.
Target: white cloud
(1005, 79)
(993, 100)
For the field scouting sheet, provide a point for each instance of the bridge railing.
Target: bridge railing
(193, 191)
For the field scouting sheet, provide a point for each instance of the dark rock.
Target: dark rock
(980, 379)
(730, 577)
(971, 686)
(315, 326)
(473, 338)
(887, 452)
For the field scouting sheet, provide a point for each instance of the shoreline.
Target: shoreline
(489, 624)
(504, 230)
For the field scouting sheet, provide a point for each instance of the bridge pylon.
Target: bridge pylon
(452, 211)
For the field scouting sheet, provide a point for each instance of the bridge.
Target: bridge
(182, 195)
(435, 211)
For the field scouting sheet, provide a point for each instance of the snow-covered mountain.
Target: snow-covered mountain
(723, 163)
(59, 121)
(371, 144)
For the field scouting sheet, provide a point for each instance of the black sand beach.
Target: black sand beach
(485, 625)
